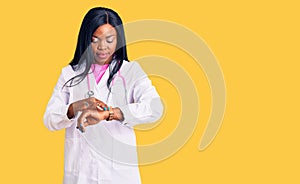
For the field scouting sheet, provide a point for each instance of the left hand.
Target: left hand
(91, 117)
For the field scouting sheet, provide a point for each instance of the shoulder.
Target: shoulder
(67, 71)
(67, 68)
(132, 72)
(132, 67)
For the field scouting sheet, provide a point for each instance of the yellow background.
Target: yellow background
(257, 46)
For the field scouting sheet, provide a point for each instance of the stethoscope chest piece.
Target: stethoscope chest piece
(90, 93)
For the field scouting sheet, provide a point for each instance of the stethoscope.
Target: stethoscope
(90, 93)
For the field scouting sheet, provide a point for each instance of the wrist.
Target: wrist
(110, 114)
(70, 113)
(118, 114)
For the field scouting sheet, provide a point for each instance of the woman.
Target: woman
(98, 99)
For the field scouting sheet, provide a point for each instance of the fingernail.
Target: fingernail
(100, 108)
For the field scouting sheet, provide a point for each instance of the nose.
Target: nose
(101, 45)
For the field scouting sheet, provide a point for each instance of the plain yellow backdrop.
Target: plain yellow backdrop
(257, 46)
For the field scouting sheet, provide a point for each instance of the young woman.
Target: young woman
(98, 99)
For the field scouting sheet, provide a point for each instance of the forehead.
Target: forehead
(105, 30)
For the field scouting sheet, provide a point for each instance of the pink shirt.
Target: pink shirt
(98, 71)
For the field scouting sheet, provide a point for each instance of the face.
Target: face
(104, 42)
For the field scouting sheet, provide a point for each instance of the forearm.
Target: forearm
(143, 112)
(56, 119)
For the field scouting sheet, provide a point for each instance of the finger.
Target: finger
(81, 105)
(83, 116)
(91, 121)
(106, 108)
(81, 127)
(94, 102)
(86, 104)
(99, 107)
(89, 114)
(100, 102)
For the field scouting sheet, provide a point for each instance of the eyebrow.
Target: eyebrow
(105, 37)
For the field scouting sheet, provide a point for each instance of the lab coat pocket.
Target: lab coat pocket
(72, 151)
(99, 167)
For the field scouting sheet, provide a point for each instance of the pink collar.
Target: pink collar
(99, 71)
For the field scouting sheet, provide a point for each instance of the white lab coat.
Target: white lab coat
(106, 152)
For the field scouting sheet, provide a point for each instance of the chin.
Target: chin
(100, 61)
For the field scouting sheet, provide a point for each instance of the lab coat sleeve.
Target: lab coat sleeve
(55, 117)
(147, 106)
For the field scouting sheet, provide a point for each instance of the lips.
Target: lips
(102, 55)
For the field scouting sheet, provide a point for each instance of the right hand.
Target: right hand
(88, 103)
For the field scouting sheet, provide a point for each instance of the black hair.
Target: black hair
(83, 56)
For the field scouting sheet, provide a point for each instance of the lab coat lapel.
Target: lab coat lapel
(101, 90)
(104, 78)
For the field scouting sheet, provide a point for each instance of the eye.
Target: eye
(95, 40)
(110, 40)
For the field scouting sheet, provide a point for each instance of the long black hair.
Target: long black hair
(83, 56)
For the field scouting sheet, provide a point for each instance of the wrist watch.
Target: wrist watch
(111, 114)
